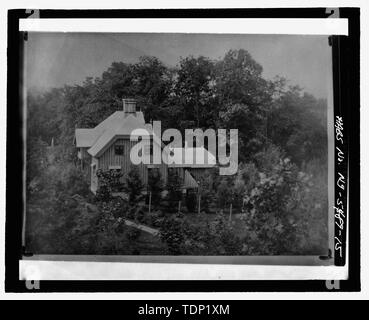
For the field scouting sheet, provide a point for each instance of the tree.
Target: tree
(250, 123)
(152, 85)
(282, 208)
(239, 80)
(155, 186)
(133, 184)
(36, 158)
(297, 123)
(224, 193)
(244, 98)
(174, 187)
(194, 88)
(207, 192)
(44, 114)
(231, 190)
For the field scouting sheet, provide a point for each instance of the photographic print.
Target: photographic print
(176, 144)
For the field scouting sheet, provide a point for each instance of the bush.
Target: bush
(36, 159)
(224, 194)
(136, 212)
(116, 206)
(171, 233)
(191, 199)
(201, 238)
(109, 181)
(174, 187)
(225, 241)
(155, 186)
(103, 194)
(207, 192)
(133, 185)
(133, 234)
(63, 178)
(282, 210)
(231, 191)
(154, 219)
(110, 233)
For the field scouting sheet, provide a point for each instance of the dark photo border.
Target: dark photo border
(346, 71)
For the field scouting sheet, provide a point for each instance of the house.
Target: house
(108, 147)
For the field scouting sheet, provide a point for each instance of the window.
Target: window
(119, 150)
(115, 167)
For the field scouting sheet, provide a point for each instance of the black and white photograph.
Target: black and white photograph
(177, 144)
(199, 150)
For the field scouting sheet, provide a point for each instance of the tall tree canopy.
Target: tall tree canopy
(227, 93)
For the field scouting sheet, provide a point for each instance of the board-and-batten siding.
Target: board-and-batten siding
(94, 179)
(109, 158)
(197, 173)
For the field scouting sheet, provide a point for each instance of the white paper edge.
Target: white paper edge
(185, 25)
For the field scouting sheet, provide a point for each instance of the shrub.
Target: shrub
(110, 235)
(116, 206)
(269, 219)
(224, 194)
(133, 184)
(231, 190)
(225, 241)
(191, 199)
(109, 181)
(103, 193)
(201, 238)
(133, 234)
(171, 233)
(155, 186)
(282, 210)
(154, 219)
(136, 212)
(207, 192)
(174, 187)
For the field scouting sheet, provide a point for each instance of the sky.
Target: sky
(56, 59)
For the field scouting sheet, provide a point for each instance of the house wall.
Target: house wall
(197, 173)
(109, 158)
(177, 170)
(94, 179)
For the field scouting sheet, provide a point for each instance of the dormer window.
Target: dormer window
(119, 150)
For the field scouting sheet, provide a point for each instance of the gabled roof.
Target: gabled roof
(124, 128)
(122, 124)
(86, 138)
(189, 182)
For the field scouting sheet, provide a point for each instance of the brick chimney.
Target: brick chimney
(129, 105)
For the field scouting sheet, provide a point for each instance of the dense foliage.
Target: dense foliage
(174, 188)
(280, 187)
(133, 184)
